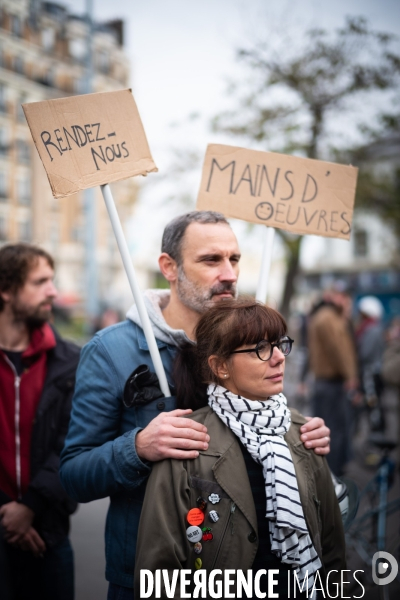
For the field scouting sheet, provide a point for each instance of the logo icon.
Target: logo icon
(384, 568)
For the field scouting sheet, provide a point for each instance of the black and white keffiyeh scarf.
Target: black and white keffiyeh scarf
(260, 426)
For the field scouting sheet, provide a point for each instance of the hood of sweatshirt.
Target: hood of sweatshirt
(156, 301)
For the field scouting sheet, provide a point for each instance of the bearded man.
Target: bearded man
(110, 445)
(37, 372)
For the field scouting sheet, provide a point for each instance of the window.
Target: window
(50, 77)
(18, 65)
(360, 243)
(77, 234)
(3, 185)
(3, 229)
(24, 190)
(4, 142)
(48, 38)
(54, 232)
(23, 152)
(3, 103)
(77, 49)
(103, 61)
(80, 85)
(16, 25)
(25, 231)
(20, 113)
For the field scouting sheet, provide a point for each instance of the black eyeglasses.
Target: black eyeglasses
(264, 348)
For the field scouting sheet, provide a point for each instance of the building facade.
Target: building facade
(43, 52)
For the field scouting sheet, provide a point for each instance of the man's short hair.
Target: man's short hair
(16, 260)
(175, 230)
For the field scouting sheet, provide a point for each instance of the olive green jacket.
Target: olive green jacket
(175, 485)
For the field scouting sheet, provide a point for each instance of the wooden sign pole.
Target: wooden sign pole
(137, 295)
(266, 259)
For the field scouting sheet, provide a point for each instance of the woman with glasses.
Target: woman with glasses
(256, 498)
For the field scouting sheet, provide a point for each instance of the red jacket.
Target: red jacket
(19, 398)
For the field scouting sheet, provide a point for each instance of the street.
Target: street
(87, 537)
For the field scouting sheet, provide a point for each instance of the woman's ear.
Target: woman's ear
(218, 367)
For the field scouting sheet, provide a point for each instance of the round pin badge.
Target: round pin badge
(195, 516)
(194, 534)
(201, 503)
(197, 547)
(214, 498)
(214, 516)
(198, 563)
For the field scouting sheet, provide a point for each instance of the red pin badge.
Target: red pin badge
(195, 516)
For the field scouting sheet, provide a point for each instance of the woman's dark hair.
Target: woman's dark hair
(222, 329)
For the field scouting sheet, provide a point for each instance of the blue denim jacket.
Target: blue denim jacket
(99, 458)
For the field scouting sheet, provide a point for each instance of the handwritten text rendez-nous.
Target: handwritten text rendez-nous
(76, 136)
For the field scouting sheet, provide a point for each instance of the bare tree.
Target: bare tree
(300, 96)
(378, 189)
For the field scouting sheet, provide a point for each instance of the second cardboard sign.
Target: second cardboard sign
(296, 194)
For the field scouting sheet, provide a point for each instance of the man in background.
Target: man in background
(37, 374)
(333, 361)
(391, 367)
(370, 348)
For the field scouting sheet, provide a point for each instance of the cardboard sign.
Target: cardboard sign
(296, 194)
(89, 140)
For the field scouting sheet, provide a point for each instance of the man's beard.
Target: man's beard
(32, 317)
(198, 298)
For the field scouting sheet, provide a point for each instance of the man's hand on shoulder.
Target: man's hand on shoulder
(170, 435)
(315, 434)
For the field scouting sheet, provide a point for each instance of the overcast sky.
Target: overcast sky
(182, 55)
(182, 52)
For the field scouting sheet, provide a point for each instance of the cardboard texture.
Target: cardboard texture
(301, 195)
(89, 140)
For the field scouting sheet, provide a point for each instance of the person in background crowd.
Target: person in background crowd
(113, 439)
(249, 493)
(108, 317)
(333, 361)
(391, 366)
(37, 372)
(370, 347)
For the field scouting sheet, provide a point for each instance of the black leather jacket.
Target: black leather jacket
(45, 495)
